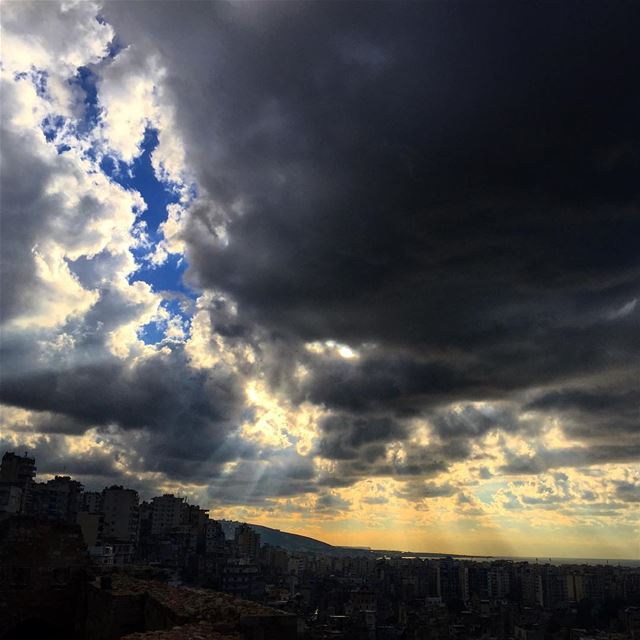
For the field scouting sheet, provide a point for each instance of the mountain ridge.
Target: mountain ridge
(278, 538)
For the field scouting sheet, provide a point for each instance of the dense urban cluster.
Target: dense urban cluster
(332, 593)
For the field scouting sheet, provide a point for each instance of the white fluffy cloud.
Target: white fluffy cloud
(69, 231)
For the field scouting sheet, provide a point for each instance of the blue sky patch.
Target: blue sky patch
(51, 126)
(165, 277)
(154, 332)
(139, 175)
(168, 277)
(39, 79)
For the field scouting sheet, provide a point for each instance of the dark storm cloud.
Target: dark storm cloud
(375, 500)
(374, 460)
(188, 418)
(429, 178)
(363, 445)
(360, 443)
(47, 422)
(545, 459)
(23, 202)
(471, 422)
(380, 381)
(112, 392)
(435, 202)
(328, 502)
(628, 492)
(420, 490)
(450, 188)
(347, 437)
(600, 411)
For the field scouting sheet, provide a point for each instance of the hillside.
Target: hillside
(288, 541)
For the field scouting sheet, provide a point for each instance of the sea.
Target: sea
(623, 562)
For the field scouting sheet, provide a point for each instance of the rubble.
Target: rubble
(122, 606)
(199, 631)
(194, 604)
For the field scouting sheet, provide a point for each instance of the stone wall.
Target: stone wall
(111, 614)
(43, 569)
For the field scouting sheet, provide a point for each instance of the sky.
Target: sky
(368, 272)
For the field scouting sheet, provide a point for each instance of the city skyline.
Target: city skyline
(63, 498)
(367, 272)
